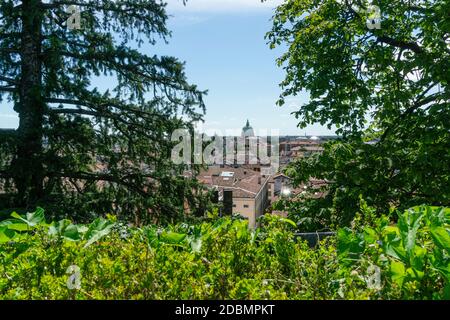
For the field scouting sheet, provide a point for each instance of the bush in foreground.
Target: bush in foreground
(224, 259)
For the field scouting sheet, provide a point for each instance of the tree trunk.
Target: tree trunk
(28, 169)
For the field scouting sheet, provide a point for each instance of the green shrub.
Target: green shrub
(411, 259)
(223, 259)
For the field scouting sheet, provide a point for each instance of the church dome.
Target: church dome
(247, 131)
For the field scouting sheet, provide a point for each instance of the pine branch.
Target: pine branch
(8, 89)
(5, 174)
(126, 70)
(101, 105)
(97, 177)
(75, 111)
(9, 50)
(14, 35)
(101, 112)
(9, 80)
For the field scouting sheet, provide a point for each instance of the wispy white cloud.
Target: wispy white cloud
(221, 5)
(189, 18)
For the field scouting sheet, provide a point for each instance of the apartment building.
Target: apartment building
(245, 190)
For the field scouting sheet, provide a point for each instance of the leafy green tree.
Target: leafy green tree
(80, 148)
(385, 88)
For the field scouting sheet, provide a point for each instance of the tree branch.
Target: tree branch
(104, 113)
(101, 106)
(104, 177)
(4, 35)
(401, 44)
(10, 80)
(410, 110)
(68, 101)
(8, 89)
(75, 111)
(5, 174)
(390, 41)
(124, 69)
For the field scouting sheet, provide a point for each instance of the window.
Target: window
(246, 206)
(234, 206)
(227, 174)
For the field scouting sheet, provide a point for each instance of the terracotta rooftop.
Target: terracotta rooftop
(301, 142)
(308, 148)
(243, 182)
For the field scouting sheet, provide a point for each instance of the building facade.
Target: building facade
(247, 187)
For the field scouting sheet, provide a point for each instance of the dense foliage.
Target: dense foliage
(223, 259)
(386, 90)
(96, 114)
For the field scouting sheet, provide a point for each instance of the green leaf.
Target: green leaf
(398, 272)
(65, 229)
(12, 224)
(396, 250)
(152, 235)
(97, 230)
(17, 216)
(57, 228)
(437, 216)
(418, 259)
(350, 245)
(6, 234)
(370, 235)
(72, 233)
(392, 244)
(37, 217)
(391, 230)
(289, 221)
(82, 229)
(32, 219)
(172, 237)
(441, 238)
(409, 224)
(414, 274)
(446, 295)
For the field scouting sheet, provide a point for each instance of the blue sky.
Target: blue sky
(223, 45)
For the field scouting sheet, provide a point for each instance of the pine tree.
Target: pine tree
(78, 147)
